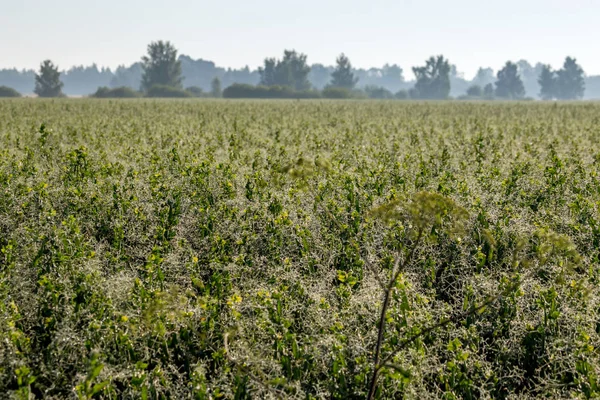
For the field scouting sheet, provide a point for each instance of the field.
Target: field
(214, 249)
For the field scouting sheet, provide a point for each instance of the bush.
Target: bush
(6, 91)
(196, 91)
(475, 91)
(402, 95)
(245, 91)
(336, 93)
(167, 92)
(122, 92)
(378, 92)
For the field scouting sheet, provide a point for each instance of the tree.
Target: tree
(215, 87)
(47, 82)
(547, 81)
(161, 66)
(433, 79)
(291, 71)
(509, 84)
(343, 77)
(488, 91)
(570, 81)
(475, 91)
(267, 73)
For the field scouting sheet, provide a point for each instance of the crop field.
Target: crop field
(181, 249)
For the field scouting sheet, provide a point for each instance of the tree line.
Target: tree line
(160, 75)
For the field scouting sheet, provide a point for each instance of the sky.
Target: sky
(235, 33)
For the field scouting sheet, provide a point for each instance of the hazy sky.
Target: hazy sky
(233, 33)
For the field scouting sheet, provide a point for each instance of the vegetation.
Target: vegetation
(215, 88)
(319, 249)
(8, 92)
(239, 91)
(166, 91)
(47, 81)
(433, 79)
(291, 71)
(509, 84)
(161, 66)
(343, 77)
(567, 83)
(117, 93)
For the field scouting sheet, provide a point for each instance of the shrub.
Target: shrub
(475, 91)
(6, 91)
(378, 92)
(196, 91)
(402, 95)
(122, 92)
(167, 92)
(336, 93)
(245, 91)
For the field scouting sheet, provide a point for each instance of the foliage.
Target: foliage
(547, 81)
(475, 91)
(291, 71)
(378, 92)
(47, 81)
(167, 91)
(196, 91)
(433, 79)
(215, 87)
(119, 93)
(402, 95)
(488, 91)
(567, 83)
(342, 76)
(161, 66)
(6, 91)
(241, 91)
(337, 93)
(509, 84)
(244, 249)
(570, 81)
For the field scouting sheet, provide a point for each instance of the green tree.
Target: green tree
(267, 73)
(547, 81)
(488, 91)
(475, 91)
(291, 71)
(509, 84)
(47, 82)
(215, 87)
(161, 66)
(433, 79)
(570, 81)
(343, 77)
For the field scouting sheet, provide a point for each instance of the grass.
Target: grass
(302, 249)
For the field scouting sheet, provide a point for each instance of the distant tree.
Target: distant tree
(402, 94)
(47, 82)
(488, 91)
(6, 91)
(475, 91)
(267, 72)
(161, 66)
(509, 84)
(433, 79)
(215, 87)
(570, 81)
(378, 92)
(195, 91)
(547, 81)
(343, 77)
(483, 77)
(291, 71)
